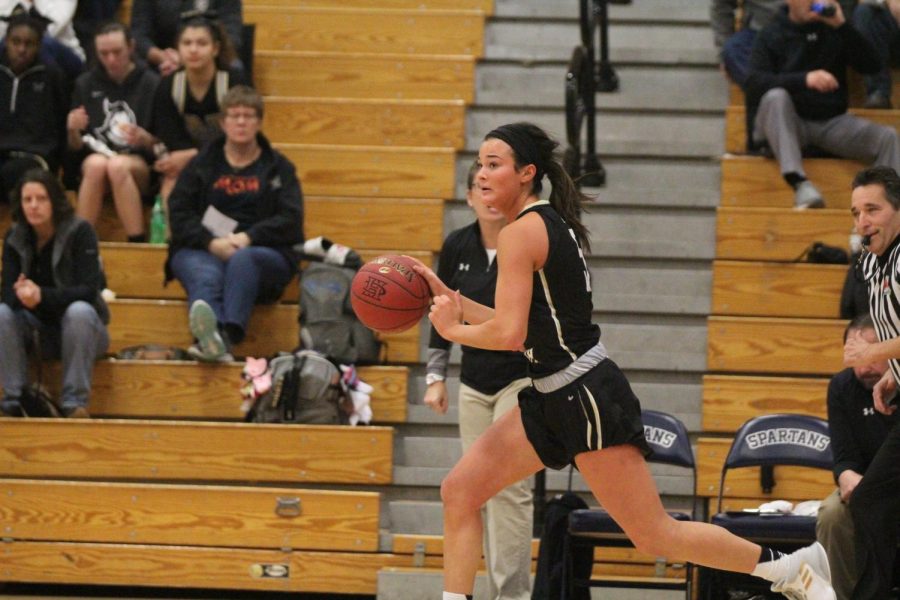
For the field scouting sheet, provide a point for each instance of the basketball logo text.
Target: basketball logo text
(399, 267)
(374, 288)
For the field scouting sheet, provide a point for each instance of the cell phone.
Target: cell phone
(824, 9)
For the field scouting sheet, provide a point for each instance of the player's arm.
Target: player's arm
(858, 351)
(521, 249)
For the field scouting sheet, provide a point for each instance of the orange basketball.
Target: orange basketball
(387, 295)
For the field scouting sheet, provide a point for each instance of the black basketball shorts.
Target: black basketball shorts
(597, 410)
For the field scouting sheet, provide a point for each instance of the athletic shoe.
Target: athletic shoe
(195, 352)
(877, 100)
(76, 412)
(810, 578)
(204, 328)
(807, 196)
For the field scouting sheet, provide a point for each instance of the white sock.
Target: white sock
(776, 568)
(453, 596)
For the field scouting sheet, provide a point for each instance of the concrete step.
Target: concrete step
(651, 134)
(629, 42)
(629, 182)
(629, 286)
(413, 451)
(640, 87)
(683, 11)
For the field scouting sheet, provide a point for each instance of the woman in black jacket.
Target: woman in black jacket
(50, 283)
(234, 215)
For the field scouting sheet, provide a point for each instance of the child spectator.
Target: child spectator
(112, 104)
(32, 102)
(156, 24)
(50, 283)
(234, 215)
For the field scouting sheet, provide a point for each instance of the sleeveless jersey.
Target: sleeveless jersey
(559, 321)
(882, 276)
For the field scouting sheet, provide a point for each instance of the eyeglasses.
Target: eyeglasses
(241, 116)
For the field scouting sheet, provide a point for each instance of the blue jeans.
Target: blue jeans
(736, 55)
(253, 274)
(877, 24)
(79, 339)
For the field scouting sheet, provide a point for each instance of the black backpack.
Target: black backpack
(549, 573)
(327, 322)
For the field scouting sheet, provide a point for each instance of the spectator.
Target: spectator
(734, 46)
(112, 106)
(155, 24)
(797, 95)
(32, 103)
(89, 15)
(234, 216)
(490, 385)
(878, 21)
(186, 109)
(60, 46)
(51, 282)
(857, 431)
(875, 504)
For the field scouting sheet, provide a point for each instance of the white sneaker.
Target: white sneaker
(204, 328)
(812, 578)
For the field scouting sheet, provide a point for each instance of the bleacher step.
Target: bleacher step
(645, 10)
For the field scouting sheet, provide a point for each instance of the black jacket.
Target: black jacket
(279, 221)
(77, 274)
(784, 52)
(33, 109)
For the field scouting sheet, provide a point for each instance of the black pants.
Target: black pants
(875, 508)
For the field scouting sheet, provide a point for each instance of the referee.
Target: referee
(875, 503)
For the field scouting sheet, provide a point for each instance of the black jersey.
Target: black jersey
(883, 280)
(559, 321)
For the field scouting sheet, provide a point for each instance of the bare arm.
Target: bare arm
(521, 250)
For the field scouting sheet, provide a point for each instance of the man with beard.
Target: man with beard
(857, 431)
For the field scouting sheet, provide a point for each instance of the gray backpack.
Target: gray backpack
(306, 388)
(327, 322)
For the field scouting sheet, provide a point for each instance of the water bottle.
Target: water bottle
(823, 8)
(158, 222)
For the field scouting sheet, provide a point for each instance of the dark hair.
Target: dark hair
(531, 145)
(62, 210)
(886, 177)
(113, 26)
(242, 95)
(859, 322)
(30, 17)
(216, 32)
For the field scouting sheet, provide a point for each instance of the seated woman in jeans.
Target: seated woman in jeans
(50, 283)
(234, 216)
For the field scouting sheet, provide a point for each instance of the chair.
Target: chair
(768, 441)
(668, 438)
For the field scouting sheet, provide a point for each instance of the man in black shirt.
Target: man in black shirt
(857, 432)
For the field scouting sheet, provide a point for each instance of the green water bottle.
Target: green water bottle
(158, 222)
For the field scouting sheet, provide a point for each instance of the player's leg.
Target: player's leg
(501, 456)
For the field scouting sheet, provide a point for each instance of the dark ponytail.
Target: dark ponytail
(531, 145)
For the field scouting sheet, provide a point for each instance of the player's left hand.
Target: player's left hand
(438, 288)
(446, 312)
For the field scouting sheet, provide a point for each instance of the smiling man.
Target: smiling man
(875, 504)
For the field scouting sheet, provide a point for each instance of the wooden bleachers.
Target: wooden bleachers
(365, 75)
(729, 401)
(356, 121)
(754, 181)
(486, 6)
(771, 289)
(380, 30)
(776, 234)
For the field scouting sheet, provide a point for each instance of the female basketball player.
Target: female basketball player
(580, 407)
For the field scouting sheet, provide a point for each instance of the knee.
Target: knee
(774, 98)
(456, 497)
(118, 168)
(78, 314)
(94, 166)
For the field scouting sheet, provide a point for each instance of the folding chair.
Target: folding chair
(766, 442)
(668, 438)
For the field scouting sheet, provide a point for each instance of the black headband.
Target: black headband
(522, 145)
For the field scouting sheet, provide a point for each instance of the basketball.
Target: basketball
(387, 295)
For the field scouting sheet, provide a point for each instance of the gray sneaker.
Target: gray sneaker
(807, 196)
(810, 578)
(205, 329)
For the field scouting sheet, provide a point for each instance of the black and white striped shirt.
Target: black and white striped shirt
(883, 281)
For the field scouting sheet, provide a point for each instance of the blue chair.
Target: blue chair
(668, 438)
(769, 441)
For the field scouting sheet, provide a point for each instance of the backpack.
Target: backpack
(306, 388)
(327, 322)
(549, 571)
